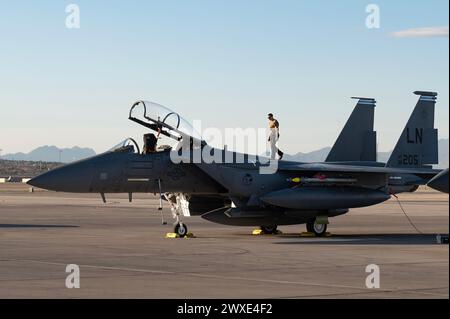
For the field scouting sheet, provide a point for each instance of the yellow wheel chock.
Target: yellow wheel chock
(175, 235)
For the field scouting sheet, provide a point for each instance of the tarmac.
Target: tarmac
(122, 252)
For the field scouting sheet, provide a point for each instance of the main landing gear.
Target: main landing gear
(269, 230)
(319, 229)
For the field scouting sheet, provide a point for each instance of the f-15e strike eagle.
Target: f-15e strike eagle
(235, 192)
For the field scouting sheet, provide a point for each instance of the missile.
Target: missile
(317, 180)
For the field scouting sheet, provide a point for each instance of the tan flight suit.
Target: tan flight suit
(273, 138)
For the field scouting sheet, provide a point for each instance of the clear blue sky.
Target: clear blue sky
(228, 63)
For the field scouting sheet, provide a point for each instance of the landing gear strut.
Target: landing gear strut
(175, 201)
(268, 230)
(318, 229)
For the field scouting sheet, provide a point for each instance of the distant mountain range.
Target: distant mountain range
(315, 156)
(321, 154)
(51, 154)
(65, 155)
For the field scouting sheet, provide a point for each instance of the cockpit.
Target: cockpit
(163, 120)
(164, 123)
(128, 145)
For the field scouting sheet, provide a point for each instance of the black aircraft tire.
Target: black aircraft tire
(269, 229)
(180, 229)
(319, 230)
(310, 227)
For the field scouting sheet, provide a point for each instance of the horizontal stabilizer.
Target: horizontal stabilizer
(440, 182)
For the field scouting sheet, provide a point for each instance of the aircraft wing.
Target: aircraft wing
(320, 167)
(323, 167)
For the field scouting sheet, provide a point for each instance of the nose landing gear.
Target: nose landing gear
(180, 229)
(178, 208)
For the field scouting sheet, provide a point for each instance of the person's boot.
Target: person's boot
(280, 153)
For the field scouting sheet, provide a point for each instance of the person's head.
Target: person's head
(270, 116)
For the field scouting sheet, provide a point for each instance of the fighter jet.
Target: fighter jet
(230, 189)
(357, 142)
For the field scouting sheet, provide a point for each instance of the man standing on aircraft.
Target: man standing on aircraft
(274, 135)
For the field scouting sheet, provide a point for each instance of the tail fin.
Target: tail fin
(358, 140)
(418, 143)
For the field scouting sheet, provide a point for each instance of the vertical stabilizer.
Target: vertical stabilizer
(357, 140)
(418, 143)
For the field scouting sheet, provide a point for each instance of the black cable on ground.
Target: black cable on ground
(406, 215)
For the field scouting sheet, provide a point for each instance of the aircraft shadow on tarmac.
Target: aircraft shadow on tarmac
(355, 239)
(36, 226)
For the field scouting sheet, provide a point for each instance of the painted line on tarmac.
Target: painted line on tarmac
(163, 272)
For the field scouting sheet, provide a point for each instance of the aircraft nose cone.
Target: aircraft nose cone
(76, 177)
(39, 181)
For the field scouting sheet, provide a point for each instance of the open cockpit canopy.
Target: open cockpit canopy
(163, 120)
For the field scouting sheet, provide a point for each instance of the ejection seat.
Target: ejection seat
(150, 142)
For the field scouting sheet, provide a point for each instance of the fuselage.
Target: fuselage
(236, 193)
